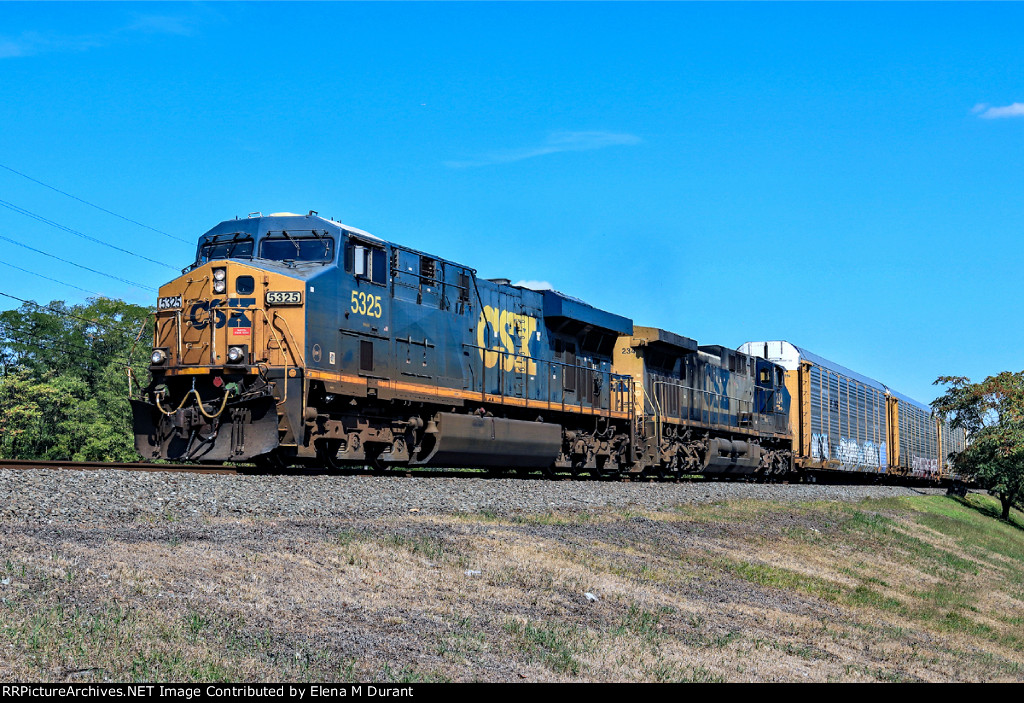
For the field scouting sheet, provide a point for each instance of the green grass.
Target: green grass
(865, 596)
(428, 548)
(555, 645)
(779, 577)
(664, 671)
(410, 674)
(115, 643)
(645, 624)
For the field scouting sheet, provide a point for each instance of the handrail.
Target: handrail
(273, 335)
(552, 364)
(301, 359)
(712, 398)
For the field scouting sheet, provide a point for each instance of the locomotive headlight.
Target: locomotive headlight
(219, 286)
(220, 283)
(236, 355)
(158, 357)
(219, 274)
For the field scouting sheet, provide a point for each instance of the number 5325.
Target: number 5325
(364, 304)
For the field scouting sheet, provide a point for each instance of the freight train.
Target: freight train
(296, 340)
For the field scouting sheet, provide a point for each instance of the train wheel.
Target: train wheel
(271, 461)
(605, 470)
(373, 455)
(326, 454)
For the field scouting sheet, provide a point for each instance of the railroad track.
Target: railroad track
(43, 464)
(17, 464)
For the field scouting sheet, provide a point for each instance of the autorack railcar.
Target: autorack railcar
(847, 422)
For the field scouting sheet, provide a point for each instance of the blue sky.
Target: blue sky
(844, 176)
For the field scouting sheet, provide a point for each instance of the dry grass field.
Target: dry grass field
(906, 589)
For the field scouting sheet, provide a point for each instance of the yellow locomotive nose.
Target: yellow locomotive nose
(227, 355)
(226, 313)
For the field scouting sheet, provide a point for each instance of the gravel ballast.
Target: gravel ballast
(86, 496)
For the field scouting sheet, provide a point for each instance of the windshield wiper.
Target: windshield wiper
(326, 239)
(298, 251)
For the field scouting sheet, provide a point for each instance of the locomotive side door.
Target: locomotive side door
(365, 310)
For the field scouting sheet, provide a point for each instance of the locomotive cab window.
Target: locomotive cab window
(366, 262)
(292, 248)
(230, 246)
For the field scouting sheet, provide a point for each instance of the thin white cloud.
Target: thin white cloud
(987, 112)
(33, 43)
(556, 142)
(10, 48)
(534, 285)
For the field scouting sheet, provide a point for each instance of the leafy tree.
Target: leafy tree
(992, 415)
(64, 382)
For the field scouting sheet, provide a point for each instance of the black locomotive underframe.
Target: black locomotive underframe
(188, 418)
(674, 448)
(278, 420)
(344, 430)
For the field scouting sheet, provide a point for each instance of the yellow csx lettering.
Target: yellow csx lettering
(514, 332)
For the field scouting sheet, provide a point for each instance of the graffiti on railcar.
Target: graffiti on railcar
(819, 447)
(921, 466)
(865, 453)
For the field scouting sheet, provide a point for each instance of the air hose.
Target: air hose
(220, 410)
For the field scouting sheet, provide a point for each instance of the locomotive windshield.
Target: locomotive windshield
(289, 248)
(230, 246)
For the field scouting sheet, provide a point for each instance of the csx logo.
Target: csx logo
(219, 317)
(510, 334)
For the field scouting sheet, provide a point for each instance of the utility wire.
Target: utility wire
(40, 218)
(103, 209)
(55, 344)
(53, 256)
(65, 313)
(58, 345)
(65, 344)
(63, 283)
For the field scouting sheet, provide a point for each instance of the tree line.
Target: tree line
(64, 379)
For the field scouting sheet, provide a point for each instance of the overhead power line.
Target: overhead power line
(40, 218)
(94, 205)
(63, 283)
(65, 347)
(65, 313)
(86, 268)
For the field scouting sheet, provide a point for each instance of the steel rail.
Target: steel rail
(405, 472)
(26, 464)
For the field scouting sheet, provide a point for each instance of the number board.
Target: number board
(172, 302)
(284, 297)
